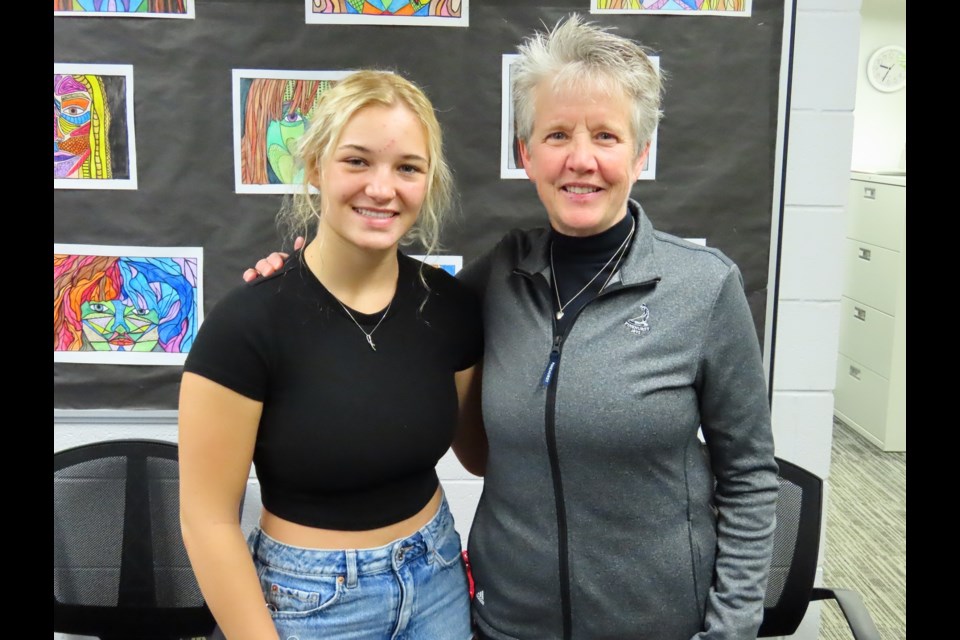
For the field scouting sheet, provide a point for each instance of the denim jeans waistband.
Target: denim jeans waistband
(353, 562)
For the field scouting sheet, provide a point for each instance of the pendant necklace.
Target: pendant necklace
(621, 250)
(369, 336)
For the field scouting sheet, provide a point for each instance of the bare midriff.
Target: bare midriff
(299, 535)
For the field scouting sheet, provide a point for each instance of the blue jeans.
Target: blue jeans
(414, 588)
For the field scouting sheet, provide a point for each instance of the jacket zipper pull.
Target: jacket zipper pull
(552, 362)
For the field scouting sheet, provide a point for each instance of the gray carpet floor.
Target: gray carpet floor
(866, 539)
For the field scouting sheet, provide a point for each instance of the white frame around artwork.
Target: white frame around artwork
(395, 21)
(133, 357)
(126, 71)
(189, 14)
(744, 13)
(454, 262)
(272, 74)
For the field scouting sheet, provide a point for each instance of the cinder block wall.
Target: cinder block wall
(825, 71)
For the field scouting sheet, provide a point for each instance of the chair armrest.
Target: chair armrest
(856, 614)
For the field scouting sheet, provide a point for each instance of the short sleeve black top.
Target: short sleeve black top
(349, 437)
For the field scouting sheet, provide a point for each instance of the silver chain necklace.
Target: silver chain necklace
(621, 250)
(369, 336)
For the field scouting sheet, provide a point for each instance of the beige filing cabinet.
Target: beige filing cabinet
(870, 394)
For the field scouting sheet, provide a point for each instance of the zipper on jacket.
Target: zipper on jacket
(550, 427)
(552, 361)
(549, 381)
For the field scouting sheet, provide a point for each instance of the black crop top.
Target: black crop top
(349, 437)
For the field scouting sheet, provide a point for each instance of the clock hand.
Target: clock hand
(887, 73)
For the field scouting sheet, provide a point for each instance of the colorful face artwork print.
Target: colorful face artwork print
(120, 6)
(94, 140)
(677, 7)
(124, 304)
(425, 13)
(81, 123)
(275, 114)
(443, 8)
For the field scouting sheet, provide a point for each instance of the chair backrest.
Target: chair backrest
(120, 569)
(795, 550)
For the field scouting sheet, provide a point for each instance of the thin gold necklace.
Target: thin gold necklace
(620, 251)
(369, 336)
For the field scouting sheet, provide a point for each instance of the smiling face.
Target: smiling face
(375, 180)
(582, 157)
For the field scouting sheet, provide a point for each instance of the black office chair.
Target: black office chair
(793, 571)
(120, 570)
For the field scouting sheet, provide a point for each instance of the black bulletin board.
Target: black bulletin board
(716, 158)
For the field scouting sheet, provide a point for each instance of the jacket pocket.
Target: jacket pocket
(703, 554)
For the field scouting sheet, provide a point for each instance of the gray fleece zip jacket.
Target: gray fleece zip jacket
(602, 515)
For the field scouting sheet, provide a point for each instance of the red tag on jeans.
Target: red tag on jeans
(466, 563)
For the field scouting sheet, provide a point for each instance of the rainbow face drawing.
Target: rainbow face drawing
(80, 126)
(444, 8)
(105, 303)
(123, 6)
(150, 7)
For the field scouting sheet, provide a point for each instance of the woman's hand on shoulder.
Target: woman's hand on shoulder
(271, 264)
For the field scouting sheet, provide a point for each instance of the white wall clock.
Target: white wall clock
(887, 68)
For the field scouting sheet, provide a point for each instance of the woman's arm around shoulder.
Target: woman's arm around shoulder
(470, 440)
(217, 433)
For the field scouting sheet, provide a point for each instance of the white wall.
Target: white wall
(825, 75)
(880, 119)
(826, 70)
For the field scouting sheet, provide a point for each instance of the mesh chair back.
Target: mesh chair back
(120, 567)
(796, 545)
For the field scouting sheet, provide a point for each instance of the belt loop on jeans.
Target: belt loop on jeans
(351, 568)
(430, 540)
(255, 545)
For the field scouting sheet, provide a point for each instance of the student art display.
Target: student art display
(271, 110)
(511, 164)
(94, 143)
(125, 305)
(425, 13)
(674, 7)
(125, 8)
(450, 264)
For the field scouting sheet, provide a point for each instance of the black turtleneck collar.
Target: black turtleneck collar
(582, 265)
(589, 250)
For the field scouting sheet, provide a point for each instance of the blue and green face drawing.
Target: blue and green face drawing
(282, 137)
(111, 325)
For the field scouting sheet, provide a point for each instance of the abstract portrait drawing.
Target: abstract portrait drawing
(511, 164)
(125, 305)
(674, 7)
(125, 8)
(271, 111)
(94, 142)
(418, 13)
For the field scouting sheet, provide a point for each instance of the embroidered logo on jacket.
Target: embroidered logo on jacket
(639, 325)
(480, 596)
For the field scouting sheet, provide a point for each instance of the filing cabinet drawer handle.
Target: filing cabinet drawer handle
(870, 193)
(863, 254)
(860, 314)
(854, 373)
